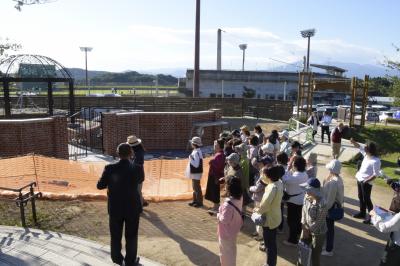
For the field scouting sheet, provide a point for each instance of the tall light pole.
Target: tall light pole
(86, 50)
(308, 34)
(196, 70)
(243, 47)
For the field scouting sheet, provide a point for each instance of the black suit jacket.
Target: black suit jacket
(122, 180)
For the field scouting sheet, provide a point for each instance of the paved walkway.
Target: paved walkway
(19, 246)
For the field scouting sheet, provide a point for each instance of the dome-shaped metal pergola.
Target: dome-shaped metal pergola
(34, 68)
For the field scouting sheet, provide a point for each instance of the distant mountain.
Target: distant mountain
(80, 74)
(121, 78)
(176, 72)
(360, 70)
(133, 77)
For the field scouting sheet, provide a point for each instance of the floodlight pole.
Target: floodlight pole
(86, 50)
(196, 70)
(308, 54)
(308, 34)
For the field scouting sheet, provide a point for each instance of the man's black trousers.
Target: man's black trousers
(131, 239)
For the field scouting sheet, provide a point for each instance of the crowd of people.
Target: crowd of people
(263, 174)
(266, 172)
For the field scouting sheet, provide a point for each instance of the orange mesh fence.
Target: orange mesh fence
(64, 179)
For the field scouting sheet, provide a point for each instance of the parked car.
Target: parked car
(396, 115)
(330, 109)
(369, 116)
(385, 115)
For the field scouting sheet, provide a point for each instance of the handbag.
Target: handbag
(197, 170)
(395, 204)
(304, 254)
(336, 213)
(258, 219)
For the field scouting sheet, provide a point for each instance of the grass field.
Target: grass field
(122, 90)
(387, 139)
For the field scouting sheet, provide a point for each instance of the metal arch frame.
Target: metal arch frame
(6, 79)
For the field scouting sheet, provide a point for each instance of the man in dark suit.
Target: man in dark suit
(124, 206)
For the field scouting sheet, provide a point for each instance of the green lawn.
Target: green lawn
(388, 140)
(143, 90)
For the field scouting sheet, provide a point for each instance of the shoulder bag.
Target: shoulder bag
(336, 213)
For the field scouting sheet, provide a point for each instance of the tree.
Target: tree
(394, 64)
(380, 86)
(8, 46)
(396, 91)
(21, 3)
(248, 92)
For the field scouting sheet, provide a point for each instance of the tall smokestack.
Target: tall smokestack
(196, 70)
(219, 50)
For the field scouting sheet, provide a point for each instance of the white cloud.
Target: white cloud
(140, 47)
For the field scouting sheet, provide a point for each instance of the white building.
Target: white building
(231, 83)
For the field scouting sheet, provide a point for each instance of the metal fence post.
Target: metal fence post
(20, 204)
(32, 195)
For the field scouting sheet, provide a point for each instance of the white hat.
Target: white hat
(285, 134)
(268, 148)
(334, 166)
(133, 140)
(196, 141)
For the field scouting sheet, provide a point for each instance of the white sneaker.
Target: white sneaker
(326, 253)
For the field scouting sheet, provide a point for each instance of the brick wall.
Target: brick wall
(45, 136)
(273, 109)
(158, 131)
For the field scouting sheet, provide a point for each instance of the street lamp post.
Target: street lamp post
(86, 50)
(308, 34)
(243, 47)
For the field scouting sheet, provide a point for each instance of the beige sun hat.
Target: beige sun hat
(196, 141)
(133, 140)
(312, 158)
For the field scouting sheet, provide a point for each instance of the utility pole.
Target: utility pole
(196, 70)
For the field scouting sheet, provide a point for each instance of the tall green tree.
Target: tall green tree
(396, 91)
(395, 64)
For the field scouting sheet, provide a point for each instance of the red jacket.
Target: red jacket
(336, 136)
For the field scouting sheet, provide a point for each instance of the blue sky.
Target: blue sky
(155, 34)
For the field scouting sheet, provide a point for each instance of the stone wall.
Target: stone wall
(44, 136)
(158, 130)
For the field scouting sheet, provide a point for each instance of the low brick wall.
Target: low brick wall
(272, 109)
(158, 130)
(45, 136)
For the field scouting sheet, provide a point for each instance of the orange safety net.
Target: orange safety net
(64, 179)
